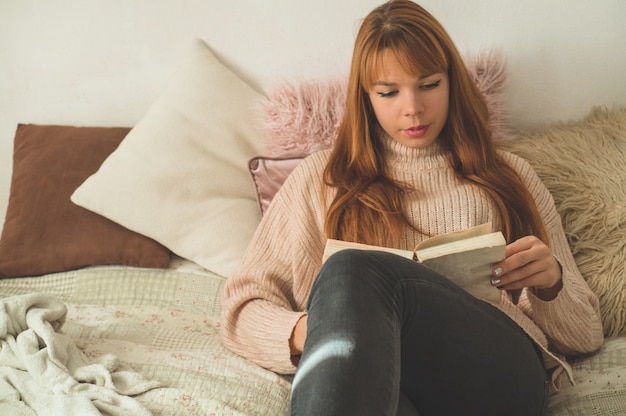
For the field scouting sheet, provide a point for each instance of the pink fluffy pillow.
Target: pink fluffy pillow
(301, 118)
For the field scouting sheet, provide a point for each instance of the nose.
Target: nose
(412, 105)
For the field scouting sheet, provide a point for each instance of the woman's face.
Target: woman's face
(412, 110)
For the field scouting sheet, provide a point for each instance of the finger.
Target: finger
(541, 272)
(520, 245)
(525, 276)
(520, 253)
(506, 270)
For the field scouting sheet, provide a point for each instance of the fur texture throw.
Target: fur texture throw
(583, 164)
(301, 118)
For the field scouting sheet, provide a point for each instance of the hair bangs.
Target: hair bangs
(417, 57)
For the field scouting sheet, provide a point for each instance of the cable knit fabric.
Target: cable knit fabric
(263, 301)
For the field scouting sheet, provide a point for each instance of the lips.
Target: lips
(416, 131)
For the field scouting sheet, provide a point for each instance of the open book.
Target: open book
(466, 257)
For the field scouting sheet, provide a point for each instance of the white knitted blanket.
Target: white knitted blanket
(42, 371)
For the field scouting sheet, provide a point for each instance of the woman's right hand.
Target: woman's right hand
(298, 336)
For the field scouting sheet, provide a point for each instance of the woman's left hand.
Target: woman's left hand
(529, 263)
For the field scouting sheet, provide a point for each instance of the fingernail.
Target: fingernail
(498, 271)
(495, 281)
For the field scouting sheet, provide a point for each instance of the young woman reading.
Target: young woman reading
(371, 333)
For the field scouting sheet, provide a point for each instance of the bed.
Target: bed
(164, 324)
(117, 242)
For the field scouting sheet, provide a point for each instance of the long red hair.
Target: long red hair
(368, 205)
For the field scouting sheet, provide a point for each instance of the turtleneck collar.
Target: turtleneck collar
(401, 158)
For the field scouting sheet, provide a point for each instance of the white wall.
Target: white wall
(102, 62)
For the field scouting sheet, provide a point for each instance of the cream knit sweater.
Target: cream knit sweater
(263, 301)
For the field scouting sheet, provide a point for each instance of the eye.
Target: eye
(430, 85)
(387, 94)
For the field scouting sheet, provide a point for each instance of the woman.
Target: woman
(369, 332)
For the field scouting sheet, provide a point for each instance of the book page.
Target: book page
(471, 243)
(333, 246)
(455, 236)
(471, 270)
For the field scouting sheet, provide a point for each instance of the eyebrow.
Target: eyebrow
(384, 84)
(392, 84)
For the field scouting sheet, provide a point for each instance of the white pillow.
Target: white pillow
(180, 176)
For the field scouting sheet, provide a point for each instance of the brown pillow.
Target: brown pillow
(44, 232)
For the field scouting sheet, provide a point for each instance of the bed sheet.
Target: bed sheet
(165, 325)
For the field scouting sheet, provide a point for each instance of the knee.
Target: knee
(340, 270)
(350, 273)
(348, 259)
(350, 266)
(364, 271)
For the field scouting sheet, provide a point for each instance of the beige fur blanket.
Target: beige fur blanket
(583, 164)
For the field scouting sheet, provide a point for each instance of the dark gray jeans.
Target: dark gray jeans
(387, 336)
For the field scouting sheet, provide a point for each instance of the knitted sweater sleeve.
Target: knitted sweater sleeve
(572, 320)
(265, 298)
